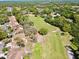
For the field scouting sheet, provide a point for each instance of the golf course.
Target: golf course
(52, 47)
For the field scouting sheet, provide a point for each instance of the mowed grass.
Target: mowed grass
(53, 47)
(26, 57)
(39, 23)
(37, 51)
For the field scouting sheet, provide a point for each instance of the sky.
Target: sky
(41, 0)
(12, 0)
(24, 0)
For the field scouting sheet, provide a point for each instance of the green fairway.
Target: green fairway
(53, 47)
(39, 23)
(26, 57)
(37, 52)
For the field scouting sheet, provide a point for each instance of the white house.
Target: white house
(9, 9)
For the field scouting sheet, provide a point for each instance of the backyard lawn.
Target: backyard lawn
(53, 47)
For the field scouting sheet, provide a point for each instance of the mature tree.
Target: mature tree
(3, 19)
(67, 28)
(75, 30)
(15, 11)
(67, 14)
(66, 11)
(3, 34)
(48, 19)
(22, 19)
(59, 21)
(76, 18)
(47, 11)
(9, 13)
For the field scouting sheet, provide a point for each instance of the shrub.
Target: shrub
(43, 31)
(9, 14)
(2, 58)
(29, 30)
(19, 41)
(5, 49)
(26, 57)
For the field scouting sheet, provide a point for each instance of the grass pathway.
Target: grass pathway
(52, 48)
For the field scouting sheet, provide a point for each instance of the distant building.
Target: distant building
(9, 9)
(54, 14)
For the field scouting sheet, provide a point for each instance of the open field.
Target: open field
(53, 47)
